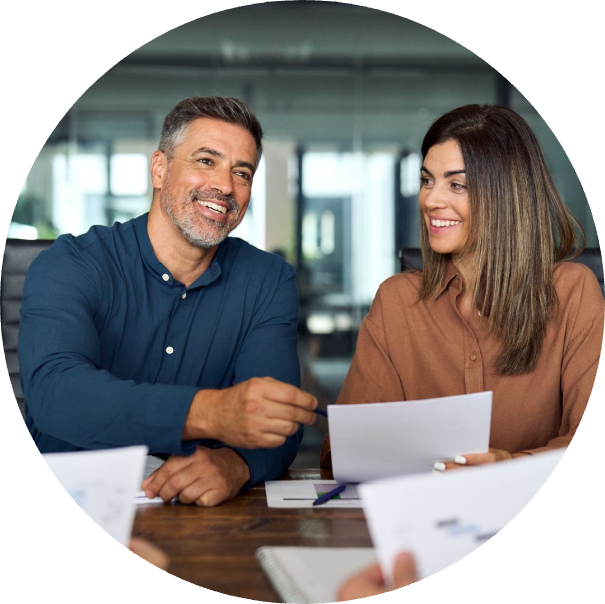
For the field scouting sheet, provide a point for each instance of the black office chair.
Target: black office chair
(410, 259)
(18, 255)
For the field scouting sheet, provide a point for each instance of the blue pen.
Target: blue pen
(320, 412)
(327, 496)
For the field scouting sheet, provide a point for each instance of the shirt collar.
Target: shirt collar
(451, 272)
(155, 266)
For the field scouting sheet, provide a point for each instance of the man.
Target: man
(164, 331)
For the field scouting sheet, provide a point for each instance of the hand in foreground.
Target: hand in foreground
(148, 552)
(206, 478)
(476, 459)
(260, 412)
(370, 582)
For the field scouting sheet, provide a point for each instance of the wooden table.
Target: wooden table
(215, 547)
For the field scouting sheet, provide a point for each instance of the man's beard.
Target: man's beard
(190, 224)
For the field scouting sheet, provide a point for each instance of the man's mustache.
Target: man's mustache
(211, 194)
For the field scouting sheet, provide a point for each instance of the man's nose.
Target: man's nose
(222, 180)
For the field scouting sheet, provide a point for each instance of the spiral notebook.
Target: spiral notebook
(305, 575)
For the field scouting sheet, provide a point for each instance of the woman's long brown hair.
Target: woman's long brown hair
(520, 226)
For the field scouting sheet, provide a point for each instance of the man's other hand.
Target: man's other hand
(260, 412)
(206, 478)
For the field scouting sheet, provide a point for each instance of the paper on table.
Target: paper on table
(302, 494)
(103, 483)
(383, 440)
(140, 498)
(441, 519)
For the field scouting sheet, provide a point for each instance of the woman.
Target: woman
(494, 307)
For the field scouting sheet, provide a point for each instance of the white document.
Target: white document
(383, 440)
(312, 574)
(103, 483)
(302, 494)
(441, 519)
(140, 499)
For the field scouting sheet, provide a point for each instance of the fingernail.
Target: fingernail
(461, 460)
(439, 466)
(149, 494)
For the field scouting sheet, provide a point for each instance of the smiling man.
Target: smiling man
(166, 332)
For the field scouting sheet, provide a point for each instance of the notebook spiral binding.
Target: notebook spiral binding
(279, 578)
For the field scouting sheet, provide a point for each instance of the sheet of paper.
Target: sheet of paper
(441, 519)
(103, 483)
(302, 494)
(140, 498)
(383, 440)
(312, 574)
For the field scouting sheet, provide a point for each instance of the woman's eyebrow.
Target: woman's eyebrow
(447, 174)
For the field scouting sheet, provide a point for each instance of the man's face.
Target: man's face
(208, 182)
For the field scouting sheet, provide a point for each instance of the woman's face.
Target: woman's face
(443, 198)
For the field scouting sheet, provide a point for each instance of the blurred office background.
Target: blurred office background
(345, 95)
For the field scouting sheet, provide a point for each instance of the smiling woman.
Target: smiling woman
(496, 306)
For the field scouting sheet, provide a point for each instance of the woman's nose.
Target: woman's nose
(435, 199)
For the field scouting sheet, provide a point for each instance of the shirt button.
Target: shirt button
(473, 357)
(166, 277)
(184, 295)
(170, 350)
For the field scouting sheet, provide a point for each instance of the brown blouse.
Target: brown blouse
(411, 349)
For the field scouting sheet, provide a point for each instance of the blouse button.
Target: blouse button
(166, 277)
(170, 350)
(184, 295)
(473, 357)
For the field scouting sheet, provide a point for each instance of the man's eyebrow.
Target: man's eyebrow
(245, 164)
(209, 151)
(240, 164)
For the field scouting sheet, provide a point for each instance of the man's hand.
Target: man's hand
(260, 412)
(206, 478)
(370, 582)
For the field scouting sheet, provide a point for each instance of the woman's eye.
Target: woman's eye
(424, 182)
(458, 186)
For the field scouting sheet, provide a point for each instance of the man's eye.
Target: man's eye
(244, 175)
(205, 160)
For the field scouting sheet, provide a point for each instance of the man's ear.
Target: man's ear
(159, 169)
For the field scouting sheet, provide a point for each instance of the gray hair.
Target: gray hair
(226, 109)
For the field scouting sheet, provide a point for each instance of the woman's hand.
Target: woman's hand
(475, 459)
(370, 582)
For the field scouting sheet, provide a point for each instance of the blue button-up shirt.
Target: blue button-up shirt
(112, 349)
